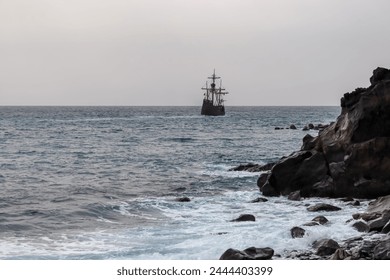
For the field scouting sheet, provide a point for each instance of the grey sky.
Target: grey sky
(159, 52)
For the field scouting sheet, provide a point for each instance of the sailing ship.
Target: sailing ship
(213, 98)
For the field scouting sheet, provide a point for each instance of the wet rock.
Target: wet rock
(297, 232)
(260, 253)
(305, 128)
(251, 253)
(361, 226)
(367, 216)
(309, 142)
(293, 127)
(183, 199)
(325, 247)
(245, 218)
(296, 196)
(382, 250)
(323, 207)
(262, 180)
(268, 190)
(381, 204)
(340, 254)
(311, 224)
(356, 203)
(379, 223)
(320, 219)
(386, 228)
(259, 199)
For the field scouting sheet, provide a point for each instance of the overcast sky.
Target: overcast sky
(160, 52)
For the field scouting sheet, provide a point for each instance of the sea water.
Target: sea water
(103, 182)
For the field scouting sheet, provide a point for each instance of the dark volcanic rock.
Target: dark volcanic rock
(262, 180)
(320, 219)
(379, 74)
(323, 207)
(259, 199)
(382, 250)
(297, 232)
(296, 196)
(361, 226)
(326, 247)
(340, 254)
(386, 228)
(379, 223)
(251, 253)
(379, 205)
(245, 218)
(311, 224)
(350, 157)
(377, 215)
(183, 199)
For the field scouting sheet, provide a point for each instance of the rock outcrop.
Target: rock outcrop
(350, 157)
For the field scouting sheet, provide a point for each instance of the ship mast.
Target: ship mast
(216, 93)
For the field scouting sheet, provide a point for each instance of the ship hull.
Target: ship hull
(209, 109)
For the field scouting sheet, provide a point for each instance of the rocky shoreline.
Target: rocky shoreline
(349, 159)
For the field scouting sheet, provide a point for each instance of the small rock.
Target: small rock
(323, 207)
(325, 247)
(340, 254)
(260, 253)
(245, 218)
(361, 226)
(310, 126)
(293, 127)
(259, 199)
(277, 128)
(183, 199)
(296, 196)
(356, 203)
(251, 253)
(320, 219)
(297, 232)
(305, 128)
(311, 224)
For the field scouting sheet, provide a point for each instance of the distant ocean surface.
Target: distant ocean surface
(102, 182)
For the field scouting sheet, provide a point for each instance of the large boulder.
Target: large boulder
(350, 157)
(325, 247)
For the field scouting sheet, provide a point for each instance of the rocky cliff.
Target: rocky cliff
(350, 157)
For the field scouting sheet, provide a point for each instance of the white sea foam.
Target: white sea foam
(199, 229)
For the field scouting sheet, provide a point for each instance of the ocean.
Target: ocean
(103, 182)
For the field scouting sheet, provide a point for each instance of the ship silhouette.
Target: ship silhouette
(213, 102)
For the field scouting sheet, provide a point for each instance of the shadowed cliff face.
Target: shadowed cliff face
(351, 157)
